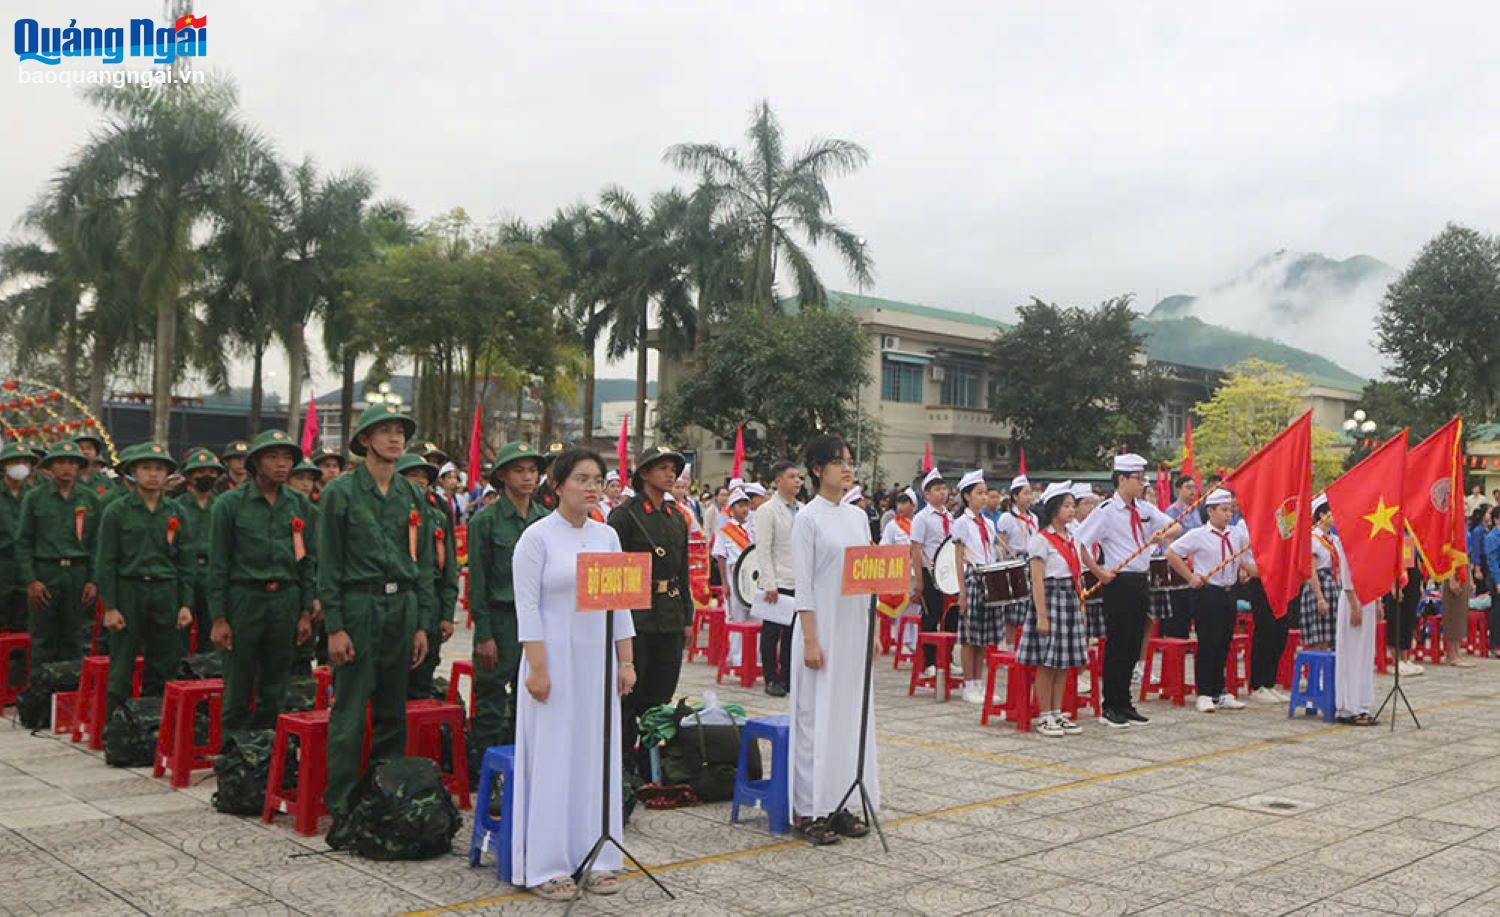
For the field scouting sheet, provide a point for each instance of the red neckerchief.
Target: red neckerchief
(1069, 553)
(904, 524)
(984, 536)
(1026, 519)
(735, 533)
(1136, 527)
(1332, 549)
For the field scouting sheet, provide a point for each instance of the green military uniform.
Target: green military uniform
(200, 535)
(303, 654)
(12, 587)
(663, 532)
(55, 547)
(257, 582)
(493, 534)
(378, 594)
(102, 485)
(236, 449)
(419, 683)
(143, 572)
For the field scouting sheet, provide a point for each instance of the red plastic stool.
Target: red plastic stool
(705, 622)
(1072, 701)
(1095, 694)
(64, 711)
(424, 739)
(175, 748)
(886, 634)
(305, 800)
(1171, 682)
(749, 667)
(323, 690)
(1284, 670)
(1382, 651)
(1237, 664)
(907, 619)
(1019, 706)
(1244, 623)
(93, 698)
(11, 645)
(943, 643)
(1478, 641)
(1431, 646)
(462, 668)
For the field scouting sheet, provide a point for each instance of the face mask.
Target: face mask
(203, 483)
(20, 471)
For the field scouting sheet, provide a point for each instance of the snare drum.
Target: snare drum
(1163, 577)
(1006, 581)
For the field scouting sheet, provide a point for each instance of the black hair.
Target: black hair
(1049, 509)
(963, 495)
(1322, 510)
(568, 459)
(1181, 480)
(780, 468)
(1476, 517)
(820, 451)
(904, 497)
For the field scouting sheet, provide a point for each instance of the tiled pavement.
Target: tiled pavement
(1244, 813)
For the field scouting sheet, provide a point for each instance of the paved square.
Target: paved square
(1243, 813)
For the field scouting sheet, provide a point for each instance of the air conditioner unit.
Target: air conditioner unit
(890, 342)
(938, 373)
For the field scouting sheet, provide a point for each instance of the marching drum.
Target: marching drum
(747, 577)
(1163, 577)
(945, 573)
(1006, 581)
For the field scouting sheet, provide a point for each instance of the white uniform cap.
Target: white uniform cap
(447, 467)
(736, 483)
(1018, 482)
(1083, 490)
(933, 477)
(912, 495)
(754, 490)
(627, 491)
(1318, 502)
(969, 480)
(737, 496)
(488, 489)
(611, 476)
(1057, 489)
(1129, 463)
(853, 495)
(1219, 497)
(687, 472)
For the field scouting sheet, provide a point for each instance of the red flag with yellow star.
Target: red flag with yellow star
(1366, 505)
(1274, 491)
(1433, 503)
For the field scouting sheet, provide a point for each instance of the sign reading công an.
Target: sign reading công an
(877, 569)
(617, 579)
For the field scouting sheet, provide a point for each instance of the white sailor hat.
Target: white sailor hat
(736, 483)
(687, 472)
(447, 467)
(1129, 463)
(611, 476)
(1083, 490)
(853, 495)
(1057, 489)
(1318, 502)
(754, 490)
(969, 480)
(1018, 482)
(737, 496)
(909, 494)
(933, 477)
(627, 491)
(1218, 497)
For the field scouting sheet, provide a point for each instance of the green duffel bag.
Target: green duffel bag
(401, 811)
(34, 705)
(130, 733)
(242, 767)
(203, 665)
(706, 758)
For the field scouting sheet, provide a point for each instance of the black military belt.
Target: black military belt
(61, 561)
(274, 585)
(379, 588)
(789, 593)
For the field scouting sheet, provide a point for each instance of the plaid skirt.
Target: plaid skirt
(1066, 647)
(1094, 619)
(1161, 605)
(985, 623)
(1318, 628)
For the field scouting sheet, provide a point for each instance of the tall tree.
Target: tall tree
(1071, 384)
(578, 237)
(1254, 404)
(1439, 324)
(778, 201)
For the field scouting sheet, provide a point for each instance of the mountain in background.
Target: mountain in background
(1303, 299)
(1190, 341)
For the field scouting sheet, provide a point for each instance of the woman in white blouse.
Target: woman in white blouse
(558, 757)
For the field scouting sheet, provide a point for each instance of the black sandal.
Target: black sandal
(818, 832)
(1365, 719)
(847, 824)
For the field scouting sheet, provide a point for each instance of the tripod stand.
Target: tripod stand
(1396, 692)
(871, 818)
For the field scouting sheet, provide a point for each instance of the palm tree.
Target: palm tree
(44, 305)
(163, 152)
(773, 199)
(577, 235)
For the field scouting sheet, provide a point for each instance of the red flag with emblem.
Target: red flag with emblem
(1163, 487)
(1432, 502)
(1274, 490)
(1189, 466)
(1366, 505)
(476, 470)
(310, 426)
(927, 458)
(192, 22)
(739, 451)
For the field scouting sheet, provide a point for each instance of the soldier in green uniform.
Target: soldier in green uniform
(93, 478)
(143, 575)
(201, 470)
(423, 473)
(233, 458)
(646, 522)
(493, 533)
(305, 478)
(261, 582)
(376, 575)
(545, 494)
(15, 472)
(55, 553)
(331, 463)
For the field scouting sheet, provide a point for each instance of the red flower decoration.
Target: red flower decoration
(298, 525)
(88, 422)
(438, 534)
(415, 518)
(173, 525)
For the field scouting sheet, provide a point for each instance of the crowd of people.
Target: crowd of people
(279, 560)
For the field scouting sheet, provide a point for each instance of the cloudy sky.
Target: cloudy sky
(1071, 151)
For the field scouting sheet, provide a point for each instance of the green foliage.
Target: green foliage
(1072, 384)
(1255, 403)
(786, 377)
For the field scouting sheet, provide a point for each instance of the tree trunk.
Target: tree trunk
(97, 356)
(70, 357)
(346, 399)
(162, 361)
(296, 358)
(640, 379)
(589, 342)
(700, 336)
(520, 405)
(257, 389)
(545, 436)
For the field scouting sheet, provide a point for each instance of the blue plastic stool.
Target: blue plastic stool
(771, 794)
(490, 831)
(1317, 696)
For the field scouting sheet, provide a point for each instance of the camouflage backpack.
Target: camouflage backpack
(34, 706)
(242, 767)
(203, 665)
(130, 733)
(402, 811)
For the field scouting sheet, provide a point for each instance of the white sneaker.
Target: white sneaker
(1069, 726)
(1265, 696)
(1206, 704)
(955, 672)
(929, 672)
(1050, 728)
(1230, 702)
(1409, 669)
(1281, 696)
(973, 693)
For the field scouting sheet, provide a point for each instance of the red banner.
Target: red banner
(1433, 503)
(1366, 505)
(1274, 490)
(877, 569)
(616, 579)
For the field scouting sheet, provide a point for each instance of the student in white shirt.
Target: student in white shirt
(1016, 528)
(1210, 558)
(930, 527)
(1053, 638)
(980, 623)
(732, 541)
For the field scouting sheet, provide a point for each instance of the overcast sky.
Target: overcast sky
(1068, 151)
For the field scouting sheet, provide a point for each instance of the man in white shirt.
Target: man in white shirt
(732, 541)
(772, 532)
(1124, 527)
(930, 527)
(1210, 557)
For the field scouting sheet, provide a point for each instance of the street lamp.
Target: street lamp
(1367, 427)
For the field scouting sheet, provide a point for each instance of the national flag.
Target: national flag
(622, 450)
(476, 470)
(192, 22)
(927, 458)
(310, 427)
(1163, 487)
(1432, 502)
(1021, 470)
(1366, 505)
(739, 451)
(1274, 490)
(1189, 465)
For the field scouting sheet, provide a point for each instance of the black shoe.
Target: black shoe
(775, 690)
(847, 824)
(1135, 716)
(1116, 719)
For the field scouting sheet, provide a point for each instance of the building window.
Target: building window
(960, 388)
(1174, 421)
(900, 381)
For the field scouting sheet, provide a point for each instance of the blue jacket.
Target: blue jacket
(1492, 554)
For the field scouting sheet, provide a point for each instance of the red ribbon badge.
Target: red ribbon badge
(437, 537)
(172, 526)
(413, 522)
(78, 521)
(299, 547)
